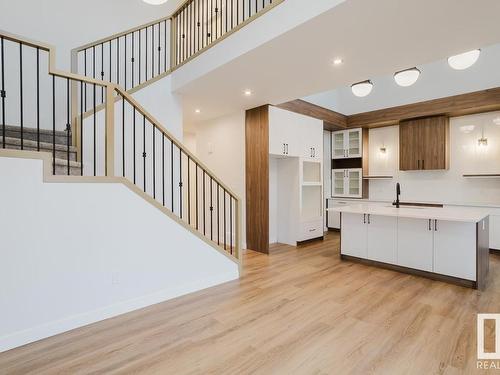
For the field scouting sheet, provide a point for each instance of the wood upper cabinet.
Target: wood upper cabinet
(424, 144)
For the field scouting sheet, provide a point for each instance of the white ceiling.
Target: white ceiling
(437, 80)
(375, 39)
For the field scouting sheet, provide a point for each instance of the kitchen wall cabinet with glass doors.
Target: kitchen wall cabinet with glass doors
(349, 161)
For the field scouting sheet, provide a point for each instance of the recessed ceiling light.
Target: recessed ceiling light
(362, 89)
(197, 110)
(155, 2)
(337, 61)
(464, 60)
(407, 77)
(247, 92)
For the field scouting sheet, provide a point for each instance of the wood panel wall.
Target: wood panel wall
(257, 178)
(332, 120)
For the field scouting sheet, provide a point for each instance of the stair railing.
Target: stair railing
(122, 140)
(144, 54)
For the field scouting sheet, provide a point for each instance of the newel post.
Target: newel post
(110, 131)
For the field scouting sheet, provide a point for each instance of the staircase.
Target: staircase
(56, 143)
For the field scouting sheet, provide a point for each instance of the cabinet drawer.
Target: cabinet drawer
(311, 229)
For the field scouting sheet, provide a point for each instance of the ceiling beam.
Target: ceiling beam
(333, 120)
(452, 106)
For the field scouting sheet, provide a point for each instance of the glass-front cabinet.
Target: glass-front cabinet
(347, 183)
(347, 144)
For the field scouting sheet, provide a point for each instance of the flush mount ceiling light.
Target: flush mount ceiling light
(407, 77)
(464, 60)
(362, 89)
(155, 2)
(197, 110)
(247, 92)
(337, 61)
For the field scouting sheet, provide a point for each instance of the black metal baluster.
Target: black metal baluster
(133, 146)
(218, 216)
(152, 51)
(37, 98)
(2, 92)
(204, 206)
(237, 12)
(21, 96)
(125, 61)
(85, 74)
(118, 60)
(211, 21)
(165, 45)
(102, 72)
(198, 24)
(216, 20)
(95, 131)
(188, 27)
(140, 53)
(146, 55)
(144, 150)
(93, 62)
(68, 125)
(110, 60)
(53, 125)
(202, 23)
(196, 195)
(183, 34)
(225, 12)
(231, 223)
(163, 167)
(159, 49)
(180, 182)
(154, 160)
(81, 127)
(211, 211)
(132, 60)
(189, 188)
(172, 174)
(225, 242)
(123, 135)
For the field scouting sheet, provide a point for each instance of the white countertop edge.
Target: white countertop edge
(467, 204)
(466, 214)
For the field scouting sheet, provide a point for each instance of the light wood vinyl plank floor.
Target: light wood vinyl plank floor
(296, 311)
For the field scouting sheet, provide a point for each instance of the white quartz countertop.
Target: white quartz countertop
(464, 214)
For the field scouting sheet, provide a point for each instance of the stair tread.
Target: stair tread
(64, 162)
(43, 145)
(59, 133)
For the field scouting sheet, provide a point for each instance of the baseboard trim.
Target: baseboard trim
(412, 271)
(320, 238)
(53, 328)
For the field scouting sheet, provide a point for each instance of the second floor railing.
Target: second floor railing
(145, 53)
(45, 110)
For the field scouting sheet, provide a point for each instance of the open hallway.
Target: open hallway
(299, 310)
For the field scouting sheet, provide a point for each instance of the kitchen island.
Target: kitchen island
(449, 244)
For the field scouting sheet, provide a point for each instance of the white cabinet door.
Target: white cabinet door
(338, 145)
(415, 243)
(277, 135)
(338, 182)
(382, 238)
(354, 183)
(455, 249)
(353, 235)
(354, 143)
(495, 232)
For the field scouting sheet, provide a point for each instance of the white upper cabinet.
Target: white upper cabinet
(347, 183)
(347, 144)
(295, 135)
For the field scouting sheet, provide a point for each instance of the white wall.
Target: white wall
(442, 186)
(117, 253)
(69, 24)
(220, 144)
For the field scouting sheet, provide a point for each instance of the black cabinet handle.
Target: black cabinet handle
(430, 224)
(364, 218)
(435, 225)
(423, 164)
(369, 219)
(284, 149)
(418, 164)
(287, 148)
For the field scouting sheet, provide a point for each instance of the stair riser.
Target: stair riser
(60, 139)
(59, 154)
(62, 170)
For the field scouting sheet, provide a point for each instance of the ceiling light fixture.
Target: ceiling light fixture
(247, 92)
(197, 110)
(155, 2)
(407, 77)
(464, 60)
(483, 141)
(362, 89)
(467, 129)
(337, 61)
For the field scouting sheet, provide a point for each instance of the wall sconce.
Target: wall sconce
(482, 142)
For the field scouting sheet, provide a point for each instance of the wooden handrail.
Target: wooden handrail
(111, 89)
